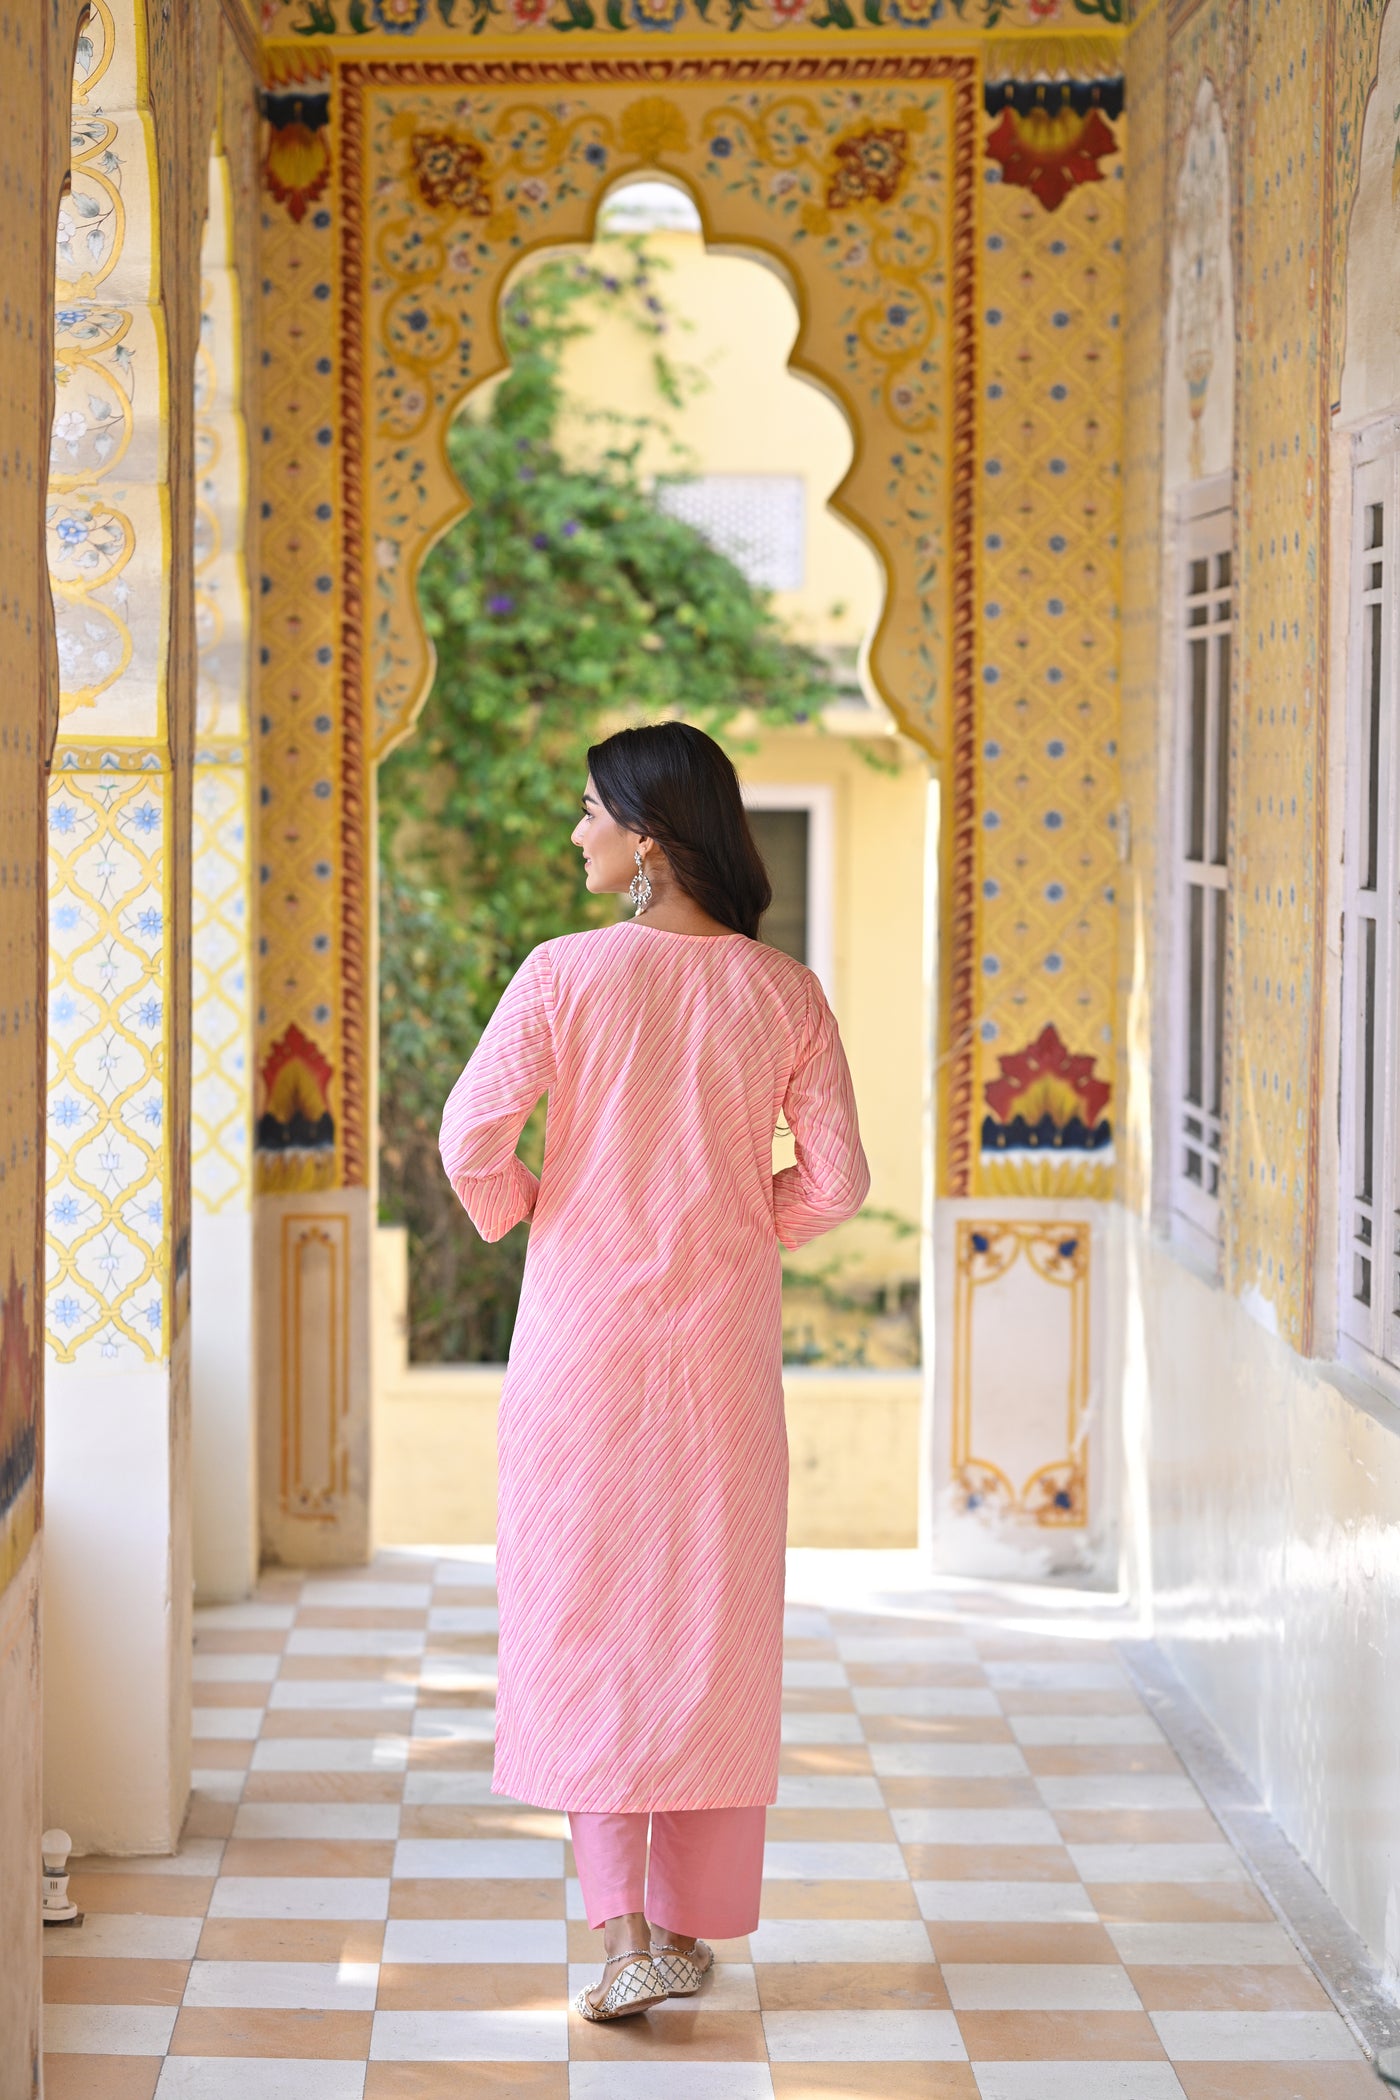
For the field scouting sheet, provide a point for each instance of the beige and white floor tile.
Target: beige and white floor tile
(989, 1878)
(1256, 2037)
(863, 2037)
(117, 1935)
(1008, 1986)
(1070, 2080)
(228, 2078)
(789, 1940)
(284, 1986)
(977, 1902)
(108, 2030)
(1217, 1945)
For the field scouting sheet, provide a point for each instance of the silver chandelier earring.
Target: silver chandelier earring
(639, 889)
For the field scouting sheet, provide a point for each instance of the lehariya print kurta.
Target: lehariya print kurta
(643, 1452)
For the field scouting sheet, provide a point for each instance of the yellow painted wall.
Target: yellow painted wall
(878, 911)
(736, 325)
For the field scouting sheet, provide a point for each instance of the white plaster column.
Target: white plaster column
(222, 1354)
(117, 1582)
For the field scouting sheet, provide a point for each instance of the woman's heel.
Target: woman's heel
(637, 1985)
(683, 1970)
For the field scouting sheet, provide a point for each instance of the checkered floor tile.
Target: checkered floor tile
(987, 1875)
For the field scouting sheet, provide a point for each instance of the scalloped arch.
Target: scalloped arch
(853, 178)
(108, 538)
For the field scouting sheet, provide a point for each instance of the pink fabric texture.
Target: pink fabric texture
(705, 1873)
(643, 1453)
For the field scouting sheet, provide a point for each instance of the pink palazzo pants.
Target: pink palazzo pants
(704, 1876)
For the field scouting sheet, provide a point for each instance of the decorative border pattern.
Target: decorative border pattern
(221, 963)
(109, 999)
(116, 1236)
(1030, 865)
(315, 1332)
(1054, 1495)
(356, 399)
(960, 861)
(306, 902)
(387, 22)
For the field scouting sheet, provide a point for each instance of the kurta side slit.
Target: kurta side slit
(643, 1453)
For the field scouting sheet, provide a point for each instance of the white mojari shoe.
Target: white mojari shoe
(635, 1987)
(684, 1971)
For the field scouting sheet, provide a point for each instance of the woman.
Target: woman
(643, 1455)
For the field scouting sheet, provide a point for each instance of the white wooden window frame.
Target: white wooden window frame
(1200, 869)
(1368, 1193)
(819, 801)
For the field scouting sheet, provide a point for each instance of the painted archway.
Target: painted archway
(948, 216)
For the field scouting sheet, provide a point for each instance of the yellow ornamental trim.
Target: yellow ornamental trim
(652, 127)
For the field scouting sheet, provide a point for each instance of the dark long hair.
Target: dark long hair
(671, 782)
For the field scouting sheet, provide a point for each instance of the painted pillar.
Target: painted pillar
(222, 1349)
(118, 1578)
(34, 101)
(1022, 1450)
(315, 845)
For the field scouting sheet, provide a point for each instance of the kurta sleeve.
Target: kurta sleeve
(510, 1068)
(831, 1179)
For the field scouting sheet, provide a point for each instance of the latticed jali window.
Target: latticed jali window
(758, 520)
(1202, 856)
(1369, 1194)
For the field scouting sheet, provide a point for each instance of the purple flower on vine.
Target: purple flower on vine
(541, 539)
(500, 604)
(570, 528)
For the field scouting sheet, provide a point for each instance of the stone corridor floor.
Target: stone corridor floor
(988, 1875)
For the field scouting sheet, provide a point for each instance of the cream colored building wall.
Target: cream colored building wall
(1261, 1498)
(737, 324)
(877, 909)
(736, 327)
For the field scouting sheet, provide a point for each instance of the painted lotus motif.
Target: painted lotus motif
(1051, 136)
(447, 170)
(869, 167)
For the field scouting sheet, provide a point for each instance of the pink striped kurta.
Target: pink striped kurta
(643, 1453)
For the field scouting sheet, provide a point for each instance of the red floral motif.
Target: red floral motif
(296, 1078)
(1046, 1069)
(870, 167)
(448, 173)
(1050, 156)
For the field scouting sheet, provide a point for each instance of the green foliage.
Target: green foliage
(833, 1315)
(564, 602)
